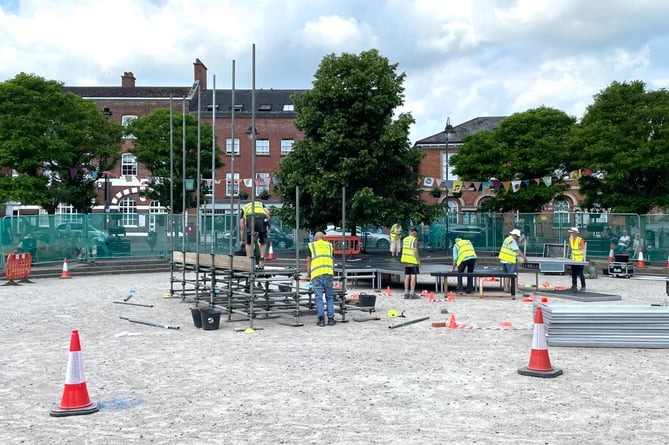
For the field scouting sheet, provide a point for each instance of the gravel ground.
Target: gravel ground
(354, 383)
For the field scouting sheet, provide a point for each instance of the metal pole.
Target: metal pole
(184, 216)
(253, 131)
(232, 162)
(170, 213)
(212, 270)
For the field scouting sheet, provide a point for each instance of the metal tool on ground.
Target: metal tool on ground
(149, 323)
(408, 322)
(131, 293)
(130, 303)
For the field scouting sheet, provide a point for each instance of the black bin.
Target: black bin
(197, 317)
(621, 258)
(365, 300)
(211, 318)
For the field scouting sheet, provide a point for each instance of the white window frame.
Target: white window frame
(286, 146)
(128, 208)
(125, 121)
(228, 146)
(230, 187)
(262, 147)
(262, 185)
(128, 164)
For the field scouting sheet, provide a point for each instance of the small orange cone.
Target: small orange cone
(640, 262)
(610, 259)
(540, 363)
(66, 272)
(423, 293)
(451, 322)
(432, 299)
(668, 262)
(271, 252)
(451, 297)
(388, 291)
(75, 398)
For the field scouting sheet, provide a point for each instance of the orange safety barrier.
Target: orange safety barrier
(351, 243)
(17, 267)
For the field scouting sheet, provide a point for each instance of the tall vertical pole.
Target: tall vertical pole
(170, 213)
(198, 180)
(253, 129)
(232, 163)
(212, 189)
(184, 216)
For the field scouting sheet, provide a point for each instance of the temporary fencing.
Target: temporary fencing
(17, 267)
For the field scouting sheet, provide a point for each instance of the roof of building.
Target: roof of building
(268, 102)
(462, 130)
(127, 93)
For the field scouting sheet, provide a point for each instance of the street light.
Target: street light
(449, 130)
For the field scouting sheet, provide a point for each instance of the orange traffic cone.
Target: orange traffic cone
(66, 272)
(668, 262)
(451, 322)
(451, 297)
(271, 252)
(640, 262)
(75, 399)
(610, 259)
(540, 363)
(388, 291)
(432, 299)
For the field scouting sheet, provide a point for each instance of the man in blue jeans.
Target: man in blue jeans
(320, 266)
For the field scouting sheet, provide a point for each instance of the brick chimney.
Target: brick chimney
(128, 80)
(200, 73)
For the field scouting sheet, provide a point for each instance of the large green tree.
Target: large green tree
(624, 139)
(152, 149)
(54, 142)
(351, 140)
(528, 145)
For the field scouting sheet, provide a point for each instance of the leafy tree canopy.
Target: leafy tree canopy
(351, 140)
(53, 141)
(527, 145)
(152, 149)
(624, 138)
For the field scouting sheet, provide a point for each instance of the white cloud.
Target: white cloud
(462, 59)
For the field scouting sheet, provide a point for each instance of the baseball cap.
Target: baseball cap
(515, 232)
(573, 230)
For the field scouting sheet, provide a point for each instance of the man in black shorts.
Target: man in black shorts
(411, 262)
(255, 218)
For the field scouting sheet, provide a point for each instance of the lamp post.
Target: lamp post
(449, 130)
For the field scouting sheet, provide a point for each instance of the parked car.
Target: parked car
(370, 240)
(474, 234)
(76, 230)
(280, 238)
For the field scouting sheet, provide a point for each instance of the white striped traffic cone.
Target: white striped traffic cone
(66, 272)
(540, 363)
(75, 400)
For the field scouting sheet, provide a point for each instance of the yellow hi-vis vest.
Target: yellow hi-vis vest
(465, 251)
(321, 258)
(506, 254)
(408, 255)
(257, 209)
(395, 231)
(577, 253)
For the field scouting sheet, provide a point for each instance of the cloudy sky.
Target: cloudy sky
(463, 59)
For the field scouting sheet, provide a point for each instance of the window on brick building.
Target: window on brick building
(125, 121)
(128, 209)
(262, 183)
(262, 147)
(128, 164)
(232, 186)
(286, 146)
(228, 146)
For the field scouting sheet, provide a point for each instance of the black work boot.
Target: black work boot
(331, 322)
(321, 321)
